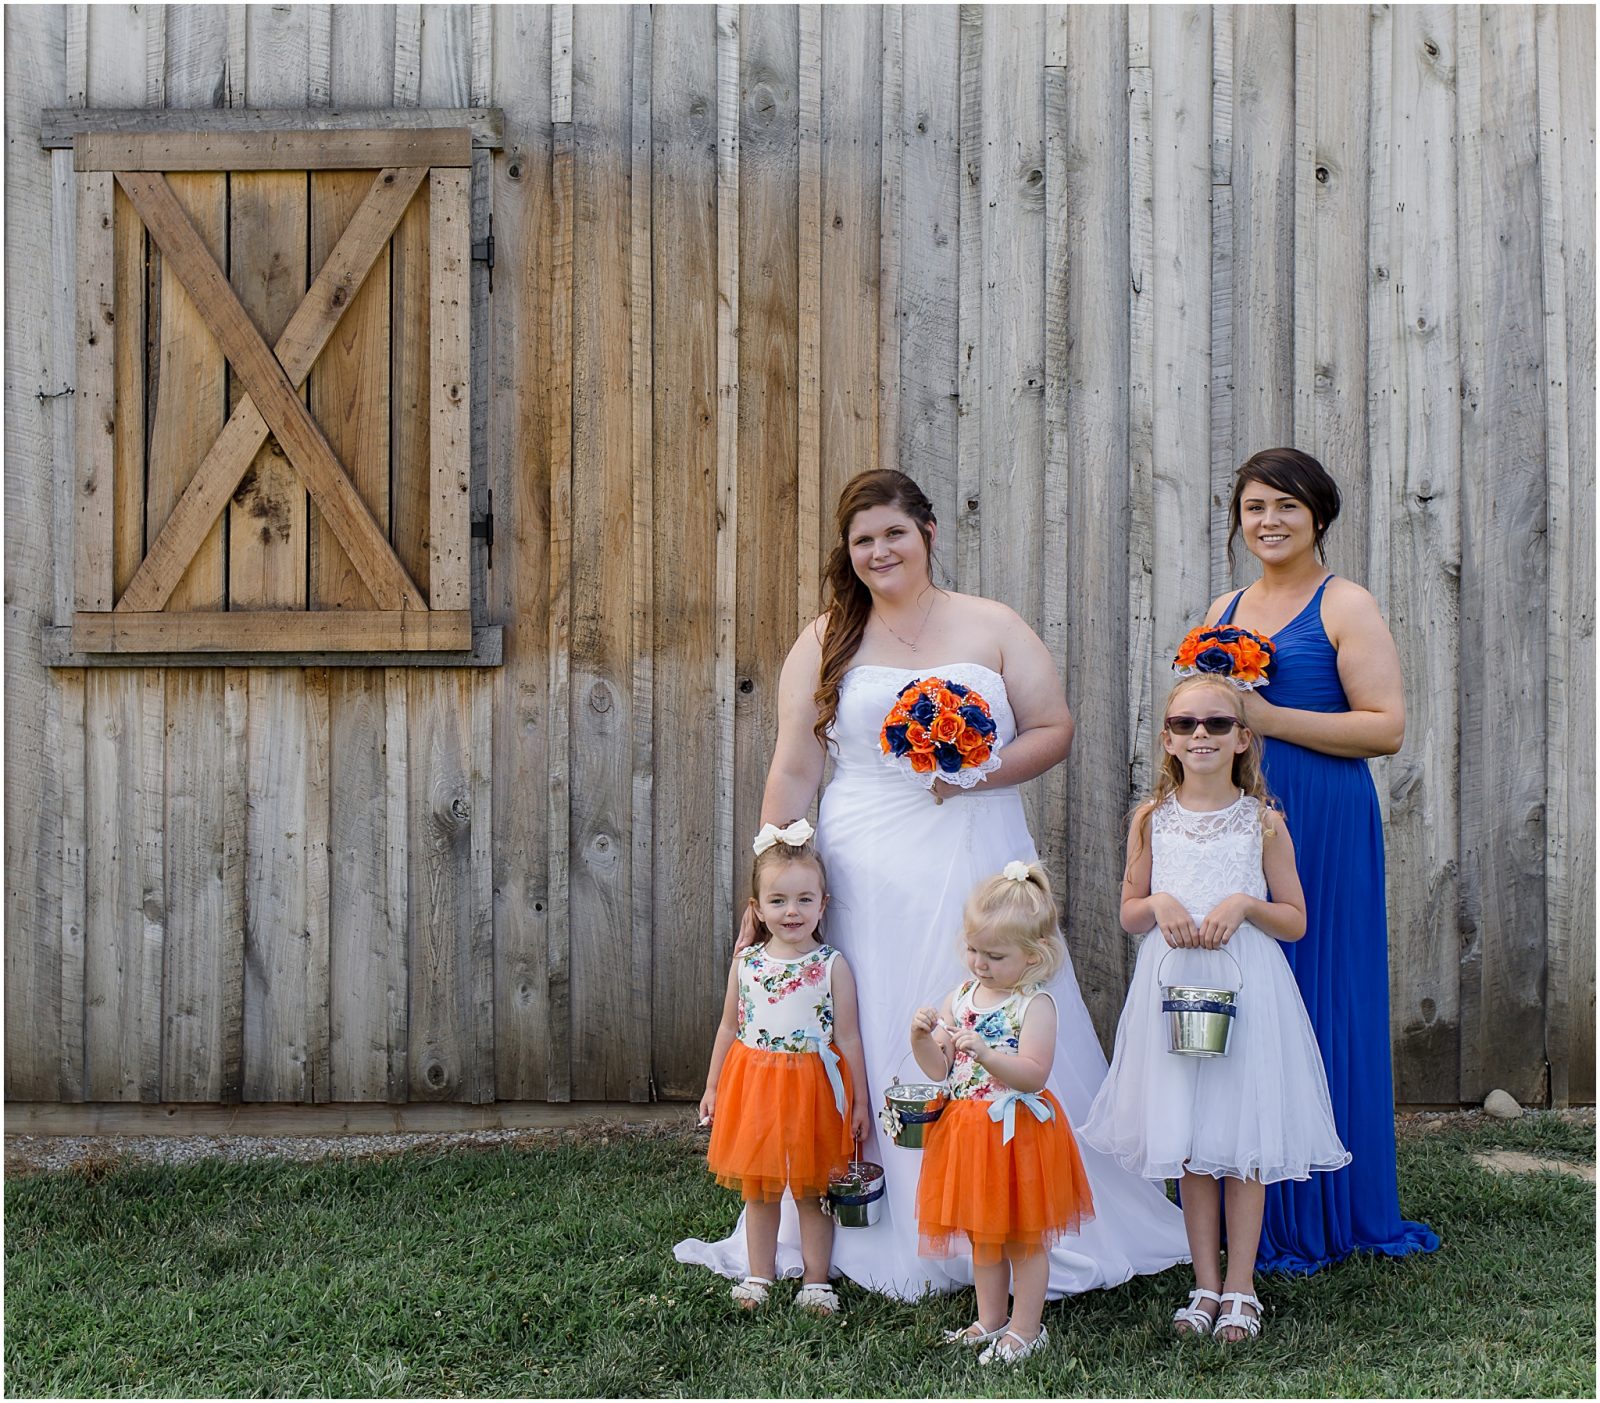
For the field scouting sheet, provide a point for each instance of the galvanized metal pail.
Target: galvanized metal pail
(855, 1194)
(1199, 1018)
(909, 1108)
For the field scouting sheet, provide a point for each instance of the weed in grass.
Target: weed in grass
(547, 1271)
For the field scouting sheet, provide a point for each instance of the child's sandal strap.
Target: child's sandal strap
(1198, 1321)
(1236, 1319)
(817, 1296)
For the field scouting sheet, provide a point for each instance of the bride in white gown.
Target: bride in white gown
(901, 860)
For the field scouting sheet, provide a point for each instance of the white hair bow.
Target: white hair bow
(1015, 871)
(795, 835)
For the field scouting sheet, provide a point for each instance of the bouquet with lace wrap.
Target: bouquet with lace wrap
(940, 730)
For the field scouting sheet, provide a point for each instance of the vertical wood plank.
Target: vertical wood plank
(366, 945)
(927, 236)
(1143, 680)
(117, 945)
(362, 42)
(231, 934)
(155, 57)
(318, 803)
(602, 568)
(480, 955)
(64, 336)
(890, 71)
(1011, 194)
(130, 291)
(192, 1030)
(446, 51)
(396, 973)
(1180, 333)
(95, 383)
(319, 55)
(1262, 202)
(277, 993)
(65, 1022)
(1223, 414)
(730, 44)
(407, 55)
(74, 38)
(769, 294)
(1504, 575)
(199, 55)
(688, 972)
(519, 469)
(1572, 746)
(642, 838)
(811, 508)
(117, 36)
(348, 391)
(1087, 396)
(446, 1035)
(410, 392)
(969, 299)
(1413, 127)
(562, 307)
(852, 49)
(184, 394)
(149, 822)
(1332, 94)
(449, 255)
(277, 56)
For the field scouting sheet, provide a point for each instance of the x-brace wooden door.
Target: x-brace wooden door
(134, 544)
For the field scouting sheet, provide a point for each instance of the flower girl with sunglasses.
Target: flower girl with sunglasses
(1211, 874)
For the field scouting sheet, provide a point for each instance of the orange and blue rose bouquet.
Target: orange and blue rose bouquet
(1228, 653)
(940, 730)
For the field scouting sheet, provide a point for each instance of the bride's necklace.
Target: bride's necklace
(922, 628)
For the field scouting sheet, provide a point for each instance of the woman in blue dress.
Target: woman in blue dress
(1333, 699)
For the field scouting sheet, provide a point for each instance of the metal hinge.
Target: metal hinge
(483, 252)
(483, 529)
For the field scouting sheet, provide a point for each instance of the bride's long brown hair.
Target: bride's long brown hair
(849, 601)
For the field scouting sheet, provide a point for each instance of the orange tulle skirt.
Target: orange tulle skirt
(1001, 1200)
(776, 1126)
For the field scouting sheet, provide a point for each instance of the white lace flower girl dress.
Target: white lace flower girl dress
(1262, 1111)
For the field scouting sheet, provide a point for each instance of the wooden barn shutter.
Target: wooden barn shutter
(273, 404)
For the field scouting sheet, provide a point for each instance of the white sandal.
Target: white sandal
(751, 1292)
(1197, 1320)
(1000, 1353)
(818, 1297)
(1236, 1318)
(970, 1340)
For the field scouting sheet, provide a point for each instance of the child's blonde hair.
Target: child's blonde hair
(780, 854)
(1247, 772)
(1022, 911)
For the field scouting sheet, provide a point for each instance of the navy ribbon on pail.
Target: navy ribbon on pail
(1198, 1006)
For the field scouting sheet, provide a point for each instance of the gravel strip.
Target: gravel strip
(44, 1154)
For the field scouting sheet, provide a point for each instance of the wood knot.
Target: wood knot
(600, 697)
(1322, 175)
(435, 1075)
(1430, 48)
(514, 170)
(460, 810)
(746, 686)
(388, 177)
(341, 295)
(455, 394)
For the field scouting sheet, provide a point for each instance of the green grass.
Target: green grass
(549, 1271)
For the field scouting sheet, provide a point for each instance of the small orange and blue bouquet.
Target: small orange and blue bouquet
(940, 730)
(1226, 652)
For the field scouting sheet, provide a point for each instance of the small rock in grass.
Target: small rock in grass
(1501, 1105)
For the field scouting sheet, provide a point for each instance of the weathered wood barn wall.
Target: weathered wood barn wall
(1067, 266)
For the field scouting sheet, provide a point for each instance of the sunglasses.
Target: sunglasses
(1212, 725)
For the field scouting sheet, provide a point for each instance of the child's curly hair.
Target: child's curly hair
(1024, 912)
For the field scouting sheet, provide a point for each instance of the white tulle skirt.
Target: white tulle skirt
(1262, 1112)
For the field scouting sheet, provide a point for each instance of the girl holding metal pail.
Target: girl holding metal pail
(1215, 1079)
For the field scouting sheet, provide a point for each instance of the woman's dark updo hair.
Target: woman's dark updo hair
(849, 601)
(1296, 475)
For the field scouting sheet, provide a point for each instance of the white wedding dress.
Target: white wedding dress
(899, 870)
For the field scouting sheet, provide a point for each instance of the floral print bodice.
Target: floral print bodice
(786, 1005)
(1000, 1027)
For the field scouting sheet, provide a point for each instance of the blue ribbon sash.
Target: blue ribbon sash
(1005, 1110)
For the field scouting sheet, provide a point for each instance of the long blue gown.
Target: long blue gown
(1342, 967)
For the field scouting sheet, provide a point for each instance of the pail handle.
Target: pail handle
(1220, 950)
(944, 1081)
